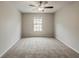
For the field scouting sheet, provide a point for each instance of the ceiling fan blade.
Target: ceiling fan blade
(32, 5)
(40, 3)
(49, 7)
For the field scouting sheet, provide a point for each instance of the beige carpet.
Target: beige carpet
(40, 47)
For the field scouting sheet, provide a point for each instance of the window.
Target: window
(37, 24)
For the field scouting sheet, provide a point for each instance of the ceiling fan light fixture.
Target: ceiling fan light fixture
(40, 8)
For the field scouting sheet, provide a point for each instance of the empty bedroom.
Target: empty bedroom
(39, 29)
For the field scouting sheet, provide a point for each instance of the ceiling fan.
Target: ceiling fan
(41, 5)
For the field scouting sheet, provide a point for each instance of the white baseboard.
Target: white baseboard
(68, 46)
(8, 49)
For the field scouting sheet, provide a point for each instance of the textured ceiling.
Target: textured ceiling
(23, 6)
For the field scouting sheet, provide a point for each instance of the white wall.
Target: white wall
(10, 25)
(27, 25)
(67, 25)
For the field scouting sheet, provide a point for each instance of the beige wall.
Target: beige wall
(67, 25)
(27, 25)
(10, 24)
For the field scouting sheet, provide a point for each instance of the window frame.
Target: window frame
(38, 24)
